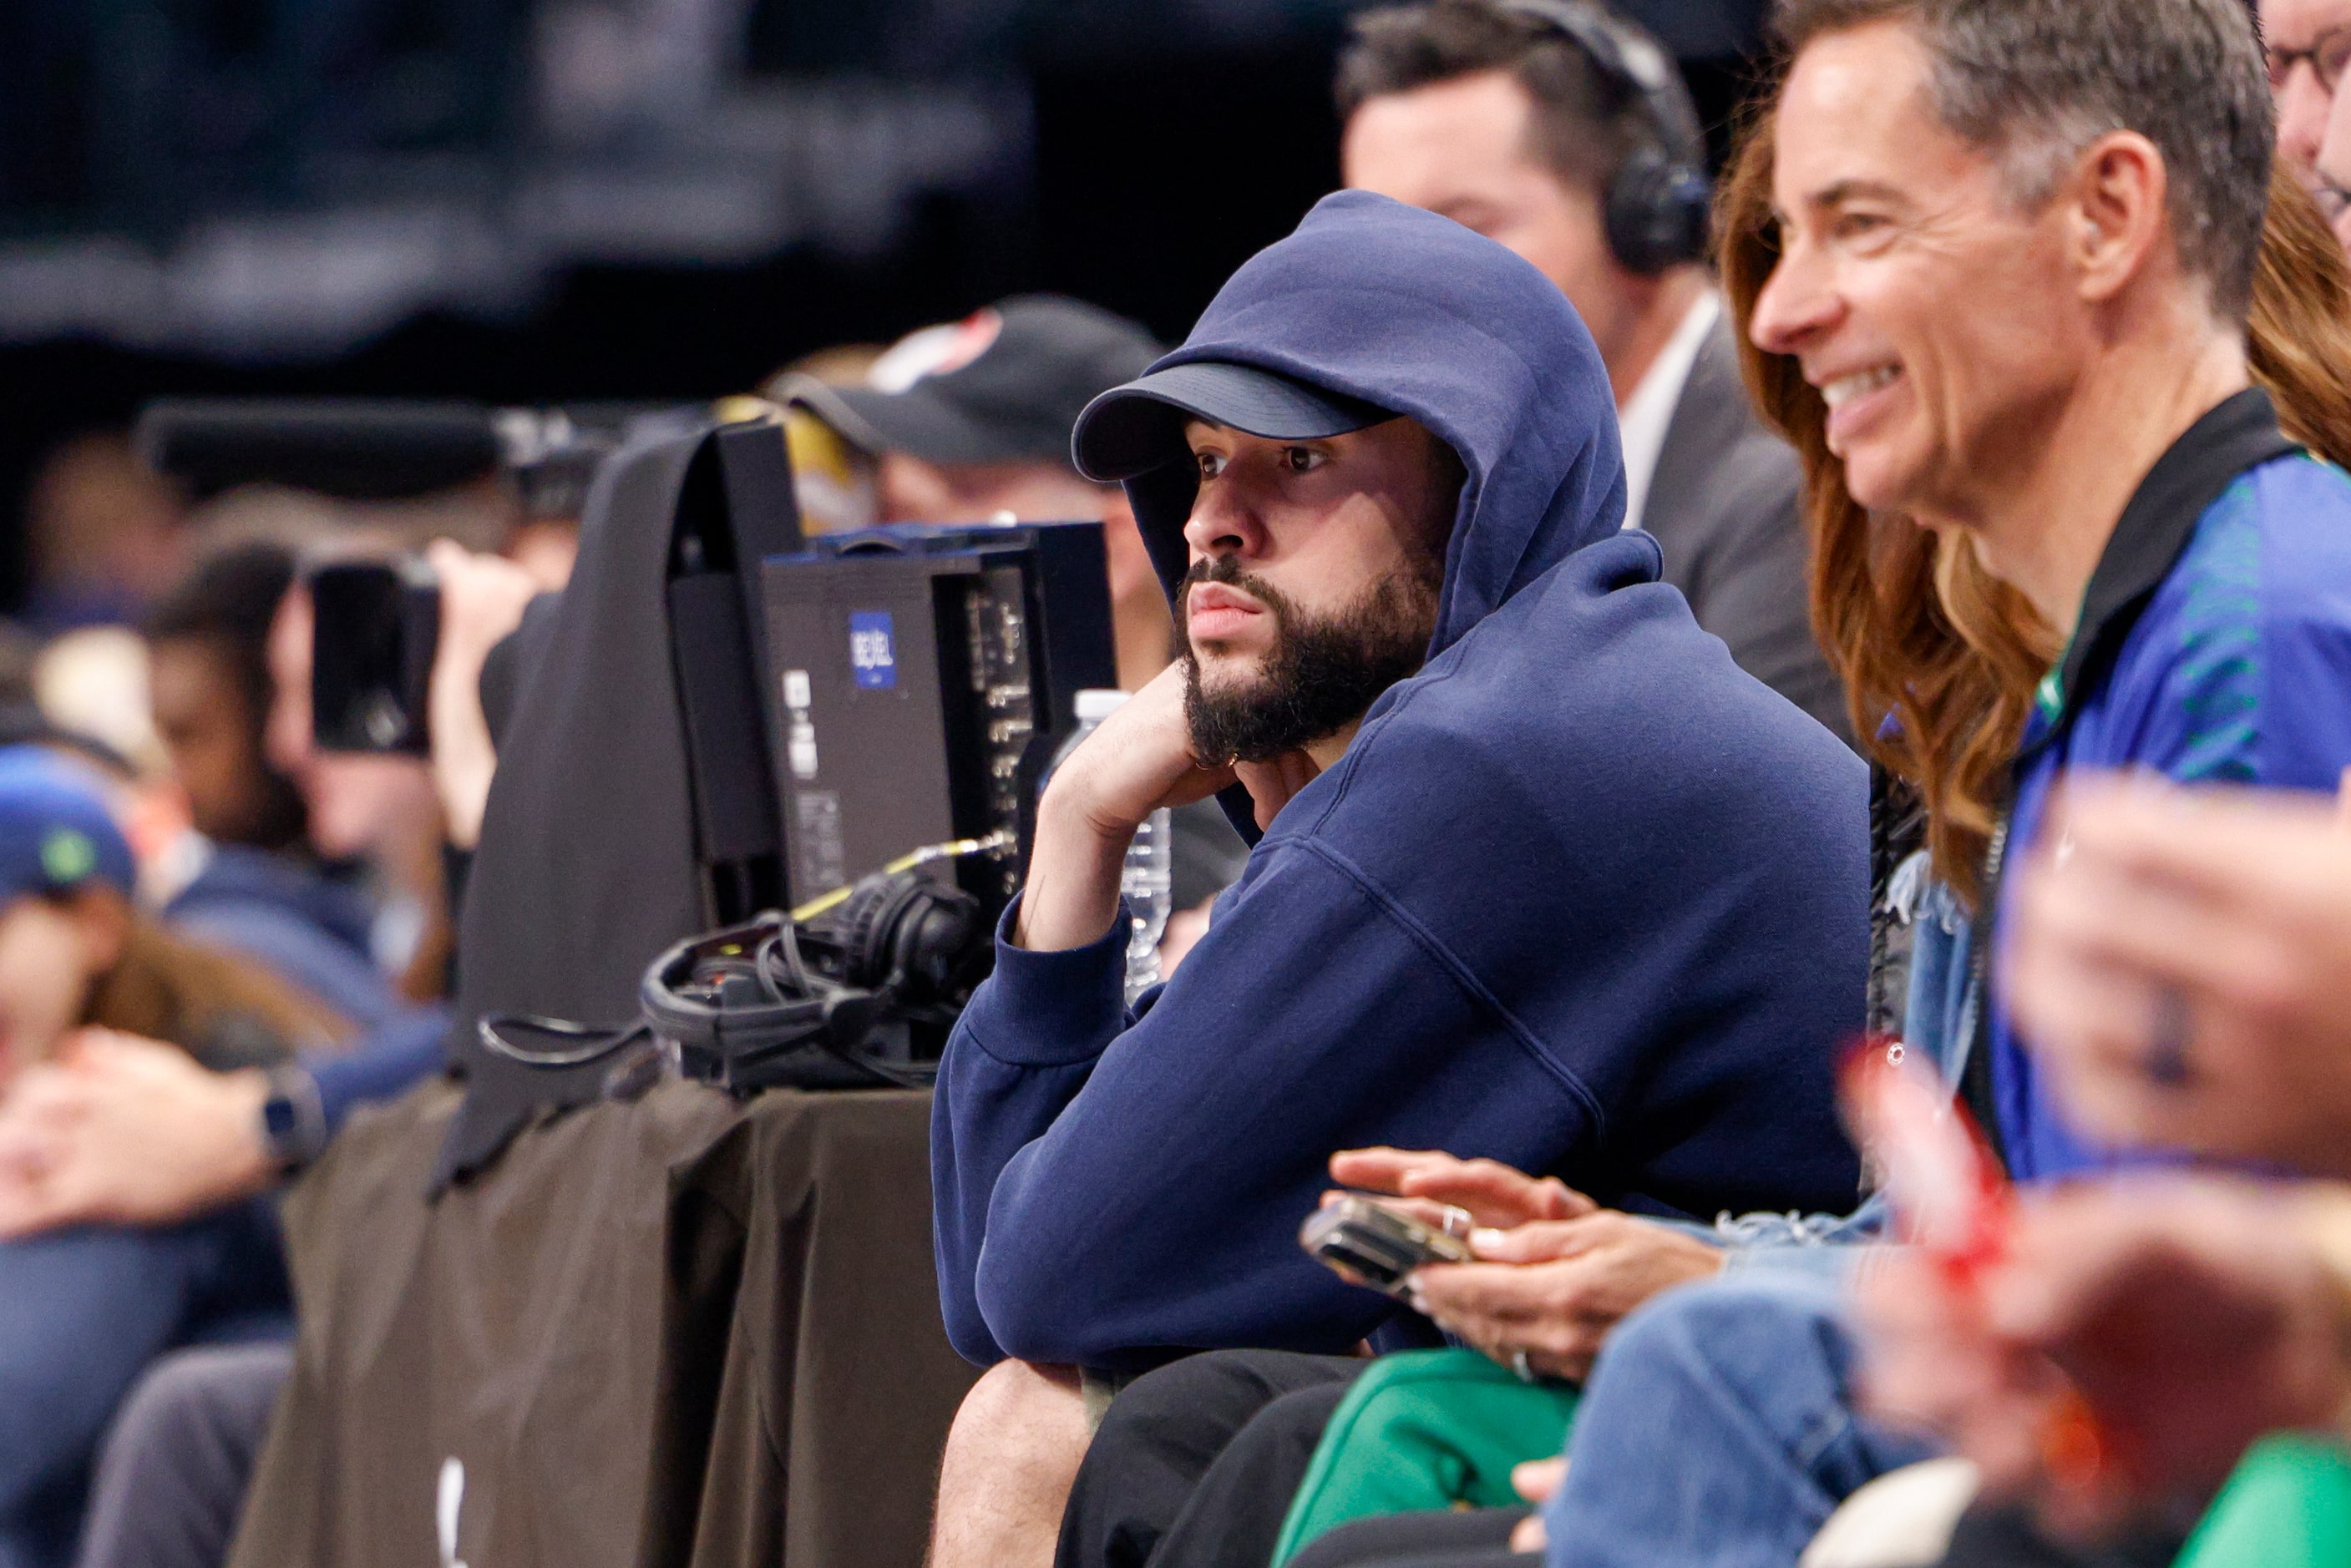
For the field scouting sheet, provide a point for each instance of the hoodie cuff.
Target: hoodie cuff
(1051, 1009)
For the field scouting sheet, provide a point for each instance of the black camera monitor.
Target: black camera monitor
(377, 627)
(923, 678)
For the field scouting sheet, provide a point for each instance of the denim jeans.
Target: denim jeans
(1717, 1430)
(82, 1312)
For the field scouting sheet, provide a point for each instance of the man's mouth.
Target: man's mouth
(1213, 611)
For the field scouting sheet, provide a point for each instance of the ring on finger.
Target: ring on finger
(2168, 1062)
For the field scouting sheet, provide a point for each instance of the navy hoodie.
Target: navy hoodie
(1580, 897)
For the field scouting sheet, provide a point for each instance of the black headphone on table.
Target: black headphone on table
(1658, 206)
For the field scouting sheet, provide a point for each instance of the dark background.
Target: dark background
(1148, 146)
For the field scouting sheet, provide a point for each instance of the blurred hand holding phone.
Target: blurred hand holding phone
(397, 649)
(376, 628)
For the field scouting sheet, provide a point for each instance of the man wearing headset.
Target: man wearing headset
(1566, 134)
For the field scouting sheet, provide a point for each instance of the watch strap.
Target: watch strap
(293, 1118)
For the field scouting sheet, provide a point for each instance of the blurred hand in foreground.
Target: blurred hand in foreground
(482, 600)
(118, 1130)
(2138, 1338)
(1535, 1481)
(2182, 962)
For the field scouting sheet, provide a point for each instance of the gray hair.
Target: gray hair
(2035, 82)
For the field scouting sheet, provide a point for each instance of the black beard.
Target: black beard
(1323, 673)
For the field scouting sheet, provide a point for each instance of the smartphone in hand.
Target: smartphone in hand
(1368, 1242)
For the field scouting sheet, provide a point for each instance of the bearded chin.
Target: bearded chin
(1318, 679)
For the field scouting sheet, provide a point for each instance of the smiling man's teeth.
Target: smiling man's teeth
(1845, 389)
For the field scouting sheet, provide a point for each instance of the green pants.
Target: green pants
(1425, 1430)
(2288, 1506)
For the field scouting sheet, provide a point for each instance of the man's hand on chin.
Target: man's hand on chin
(1139, 760)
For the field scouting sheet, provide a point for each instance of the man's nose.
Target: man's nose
(2303, 109)
(1223, 523)
(1796, 306)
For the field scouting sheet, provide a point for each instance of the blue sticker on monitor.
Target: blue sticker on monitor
(872, 652)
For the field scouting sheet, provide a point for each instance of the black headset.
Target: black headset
(1658, 207)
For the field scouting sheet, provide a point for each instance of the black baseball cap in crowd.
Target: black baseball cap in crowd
(1134, 428)
(1007, 384)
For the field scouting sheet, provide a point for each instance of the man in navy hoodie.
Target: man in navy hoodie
(1544, 875)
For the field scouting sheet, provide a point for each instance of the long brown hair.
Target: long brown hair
(165, 987)
(1914, 625)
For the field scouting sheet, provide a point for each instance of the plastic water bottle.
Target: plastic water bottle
(1147, 881)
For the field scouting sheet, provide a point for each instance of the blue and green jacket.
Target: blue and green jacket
(2214, 648)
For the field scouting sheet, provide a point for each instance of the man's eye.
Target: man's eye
(1857, 225)
(1301, 458)
(1211, 465)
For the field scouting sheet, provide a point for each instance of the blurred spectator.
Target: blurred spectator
(251, 882)
(832, 480)
(384, 810)
(106, 533)
(92, 681)
(74, 950)
(969, 422)
(208, 682)
(91, 991)
(2330, 176)
(2307, 43)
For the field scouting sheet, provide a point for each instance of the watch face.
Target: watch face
(278, 1117)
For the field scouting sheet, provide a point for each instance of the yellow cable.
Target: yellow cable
(953, 849)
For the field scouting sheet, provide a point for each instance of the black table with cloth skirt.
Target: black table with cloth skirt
(685, 1330)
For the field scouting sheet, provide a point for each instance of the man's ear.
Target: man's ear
(101, 918)
(2116, 212)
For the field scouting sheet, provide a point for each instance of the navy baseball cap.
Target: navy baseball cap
(1134, 428)
(56, 834)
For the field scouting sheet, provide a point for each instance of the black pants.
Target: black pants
(1197, 1463)
(172, 1475)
